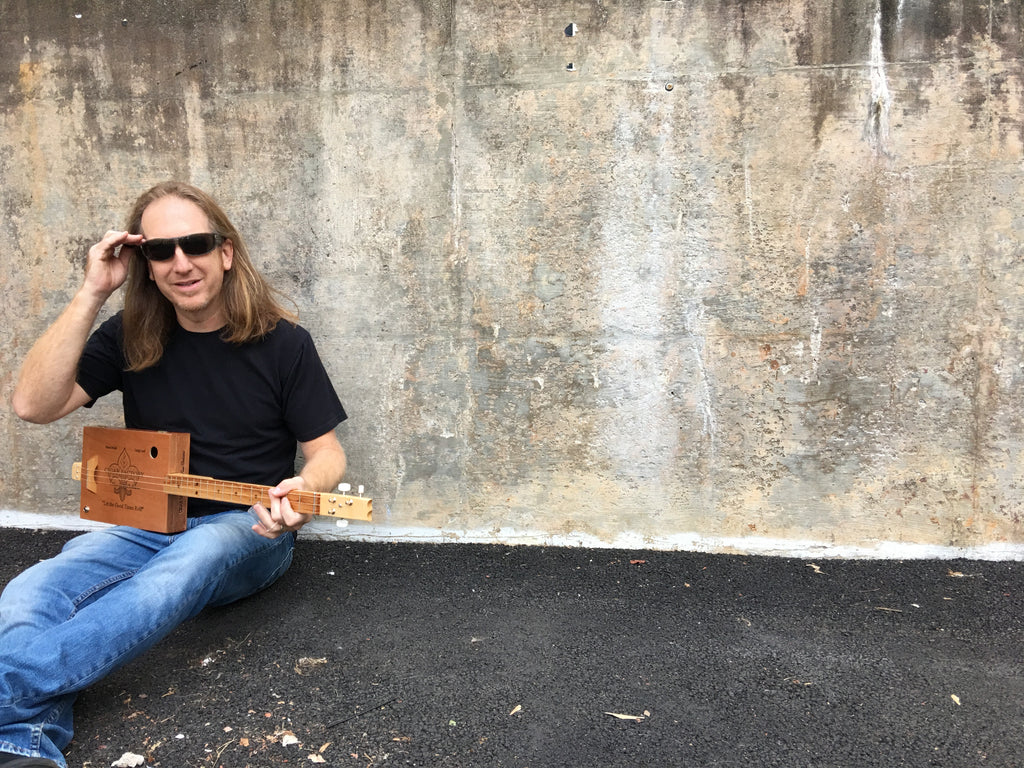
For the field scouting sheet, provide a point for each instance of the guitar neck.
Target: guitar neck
(327, 503)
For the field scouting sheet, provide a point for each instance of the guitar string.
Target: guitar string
(189, 485)
(185, 482)
(190, 488)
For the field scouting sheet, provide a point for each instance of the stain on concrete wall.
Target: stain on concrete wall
(691, 274)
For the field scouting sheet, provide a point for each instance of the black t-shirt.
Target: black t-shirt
(244, 405)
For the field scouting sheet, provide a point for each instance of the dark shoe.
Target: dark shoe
(7, 760)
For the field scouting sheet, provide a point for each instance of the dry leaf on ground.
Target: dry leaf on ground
(305, 664)
(129, 760)
(288, 738)
(620, 716)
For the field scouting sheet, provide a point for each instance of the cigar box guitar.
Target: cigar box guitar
(140, 478)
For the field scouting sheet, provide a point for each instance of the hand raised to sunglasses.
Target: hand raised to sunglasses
(107, 265)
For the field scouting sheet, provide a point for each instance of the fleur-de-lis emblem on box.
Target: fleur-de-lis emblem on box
(124, 475)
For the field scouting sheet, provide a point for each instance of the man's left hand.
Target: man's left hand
(280, 518)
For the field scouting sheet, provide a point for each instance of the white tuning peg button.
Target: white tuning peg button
(343, 523)
(344, 487)
(360, 490)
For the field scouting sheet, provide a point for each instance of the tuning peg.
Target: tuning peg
(342, 523)
(344, 487)
(360, 490)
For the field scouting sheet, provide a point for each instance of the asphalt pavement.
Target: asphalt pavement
(378, 654)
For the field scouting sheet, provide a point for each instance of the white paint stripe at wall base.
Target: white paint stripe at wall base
(35, 521)
(752, 546)
(326, 530)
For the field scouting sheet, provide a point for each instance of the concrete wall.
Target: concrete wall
(713, 274)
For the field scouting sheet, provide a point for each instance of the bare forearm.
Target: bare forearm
(46, 389)
(324, 469)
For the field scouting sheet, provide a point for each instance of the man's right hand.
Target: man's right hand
(106, 268)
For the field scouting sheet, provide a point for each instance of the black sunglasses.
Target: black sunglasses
(162, 249)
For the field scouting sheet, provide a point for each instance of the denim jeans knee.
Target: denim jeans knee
(106, 598)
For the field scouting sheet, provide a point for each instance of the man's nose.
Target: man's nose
(181, 262)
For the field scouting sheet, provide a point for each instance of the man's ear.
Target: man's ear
(227, 254)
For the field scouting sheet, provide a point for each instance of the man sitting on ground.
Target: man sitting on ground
(202, 347)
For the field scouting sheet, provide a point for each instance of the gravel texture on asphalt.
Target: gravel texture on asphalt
(373, 654)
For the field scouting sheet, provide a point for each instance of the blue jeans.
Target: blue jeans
(107, 597)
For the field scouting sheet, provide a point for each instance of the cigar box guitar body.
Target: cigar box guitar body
(140, 478)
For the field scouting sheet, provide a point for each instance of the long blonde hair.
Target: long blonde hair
(250, 302)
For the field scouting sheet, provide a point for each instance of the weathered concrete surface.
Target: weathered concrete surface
(702, 274)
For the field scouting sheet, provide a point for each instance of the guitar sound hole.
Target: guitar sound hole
(153, 452)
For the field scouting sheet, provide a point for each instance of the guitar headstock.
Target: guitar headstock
(338, 504)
